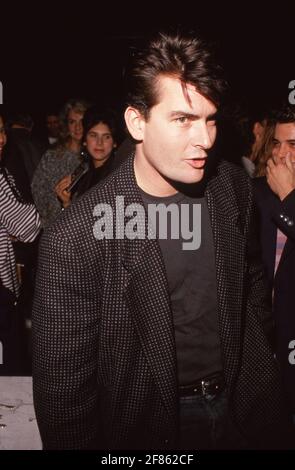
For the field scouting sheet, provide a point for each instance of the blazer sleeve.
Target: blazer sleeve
(258, 295)
(284, 215)
(65, 335)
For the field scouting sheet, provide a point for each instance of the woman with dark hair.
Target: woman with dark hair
(18, 221)
(99, 142)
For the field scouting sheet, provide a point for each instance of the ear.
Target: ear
(135, 123)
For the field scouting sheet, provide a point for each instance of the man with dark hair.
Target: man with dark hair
(275, 197)
(149, 320)
(53, 128)
(24, 152)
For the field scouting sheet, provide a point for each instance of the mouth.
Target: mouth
(197, 163)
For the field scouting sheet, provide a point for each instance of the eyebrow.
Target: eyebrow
(97, 133)
(287, 140)
(192, 115)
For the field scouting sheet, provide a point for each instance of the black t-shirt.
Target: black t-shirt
(188, 253)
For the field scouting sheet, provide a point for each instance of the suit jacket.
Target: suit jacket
(104, 359)
(22, 158)
(276, 214)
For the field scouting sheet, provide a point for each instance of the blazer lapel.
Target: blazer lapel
(147, 295)
(288, 249)
(230, 248)
(273, 205)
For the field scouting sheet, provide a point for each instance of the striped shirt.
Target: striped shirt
(19, 220)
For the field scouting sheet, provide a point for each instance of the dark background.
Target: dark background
(54, 51)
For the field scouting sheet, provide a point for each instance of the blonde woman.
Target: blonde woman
(59, 162)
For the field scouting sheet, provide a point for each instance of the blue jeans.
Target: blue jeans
(205, 424)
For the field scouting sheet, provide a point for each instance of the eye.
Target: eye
(181, 120)
(211, 123)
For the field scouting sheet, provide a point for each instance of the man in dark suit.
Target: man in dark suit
(151, 332)
(275, 195)
(53, 127)
(24, 153)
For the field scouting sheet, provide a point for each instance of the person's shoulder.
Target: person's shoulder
(232, 168)
(3, 182)
(77, 221)
(3, 172)
(6, 178)
(66, 153)
(50, 152)
(264, 196)
(260, 186)
(48, 156)
(56, 153)
(260, 182)
(232, 173)
(231, 185)
(117, 181)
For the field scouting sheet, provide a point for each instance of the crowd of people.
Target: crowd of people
(137, 342)
(35, 175)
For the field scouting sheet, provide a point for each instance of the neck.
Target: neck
(99, 163)
(74, 146)
(149, 179)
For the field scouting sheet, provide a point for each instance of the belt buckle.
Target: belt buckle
(204, 384)
(209, 388)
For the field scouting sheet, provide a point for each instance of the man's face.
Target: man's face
(284, 141)
(178, 133)
(53, 125)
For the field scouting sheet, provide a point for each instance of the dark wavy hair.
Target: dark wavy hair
(284, 115)
(187, 58)
(96, 115)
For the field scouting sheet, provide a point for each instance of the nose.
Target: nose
(202, 137)
(99, 140)
(283, 150)
(78, 125)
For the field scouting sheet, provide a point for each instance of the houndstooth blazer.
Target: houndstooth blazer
(104, 360)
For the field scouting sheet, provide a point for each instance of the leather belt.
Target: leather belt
(212, 385)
